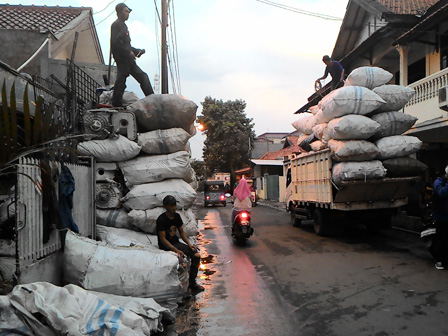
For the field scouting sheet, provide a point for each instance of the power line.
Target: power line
(300, 11)
(102, 10)
(173, 37)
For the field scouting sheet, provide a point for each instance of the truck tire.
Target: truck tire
(320, 218)
(296, 222)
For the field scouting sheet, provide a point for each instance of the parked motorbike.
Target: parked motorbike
(241, 229)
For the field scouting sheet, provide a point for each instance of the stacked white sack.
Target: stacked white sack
(368, 77)
(395, 96)
(348, 100)
(145, 220)
(128, 271)
(117, 218)
(150, 195)
(164, 141)
(118, 148)
(156, 168)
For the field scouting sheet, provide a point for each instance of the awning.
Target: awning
(434, 130)
(267, 162)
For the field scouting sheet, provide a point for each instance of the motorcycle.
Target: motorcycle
(241, 229)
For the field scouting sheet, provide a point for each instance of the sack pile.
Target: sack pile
(362, 127)
(41, 308)
(133, 177)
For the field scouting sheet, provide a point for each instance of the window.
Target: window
(444, 50)
(417, 70)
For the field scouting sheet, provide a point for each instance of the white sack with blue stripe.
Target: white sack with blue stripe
(352, 150)
(348, 100)
(120, 270)
(117, 218)
(369, 77)
(164, 141)
(73, 311)
(393, 123)
(395, 96)
(352, 127)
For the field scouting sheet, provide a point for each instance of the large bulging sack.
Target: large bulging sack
(395, 96)
(319, 130)
(112, 269)
(128, 98)
(164, 141)
(117, 218)
(348, 100)
(404, 166)
(11, 324)
(353, 150)
(145, 220)
(318, 146)
(125, 237)
(301, 123)
(164, 111)
(71, 310)
(397, 146)
(369, 77)
(357, 171)
(314, 109)
(352, 127)
(110, 150)
(150, 195)
(156, 168)
(393, 123)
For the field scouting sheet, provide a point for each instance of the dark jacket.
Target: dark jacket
(121, 42)
(441, 189)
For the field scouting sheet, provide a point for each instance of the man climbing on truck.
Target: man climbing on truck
(336, 71)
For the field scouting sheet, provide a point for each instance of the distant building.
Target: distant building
(267, 142)
(46, 36)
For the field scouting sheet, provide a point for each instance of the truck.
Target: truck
(311, 194)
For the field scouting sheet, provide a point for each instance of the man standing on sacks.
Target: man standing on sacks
(124, 55)
(168, 224)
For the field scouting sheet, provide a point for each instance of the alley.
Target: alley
(288, 281)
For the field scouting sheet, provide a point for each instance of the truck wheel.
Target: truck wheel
(296, 222)
(320, 221)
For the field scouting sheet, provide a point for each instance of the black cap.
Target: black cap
(120, 6)
(169, 200)
(326, 58)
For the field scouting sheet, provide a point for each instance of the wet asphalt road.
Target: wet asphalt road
(289, 281)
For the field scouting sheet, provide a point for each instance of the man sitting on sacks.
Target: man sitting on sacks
(336, 71)
(125, 56)
(167, 225)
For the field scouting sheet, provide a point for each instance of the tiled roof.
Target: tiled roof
(281, 153)
(273, 135)
(37, 17)
(412, 7)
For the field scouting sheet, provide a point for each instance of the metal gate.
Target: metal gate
(30, 215)
(272, 186)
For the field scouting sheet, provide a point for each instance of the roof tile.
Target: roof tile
(37, 17)
(412, 7)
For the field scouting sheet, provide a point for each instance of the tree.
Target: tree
(229, 135)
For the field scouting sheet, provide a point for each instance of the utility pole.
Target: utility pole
(164, 70)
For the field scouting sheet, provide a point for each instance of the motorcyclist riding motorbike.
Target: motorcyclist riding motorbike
(242, 205)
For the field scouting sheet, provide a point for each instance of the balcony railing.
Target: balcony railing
(428, 87)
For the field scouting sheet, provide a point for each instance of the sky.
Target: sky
(231, 49)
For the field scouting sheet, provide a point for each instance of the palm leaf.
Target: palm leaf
(38, 121)
(13, 112)
(26, 111)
